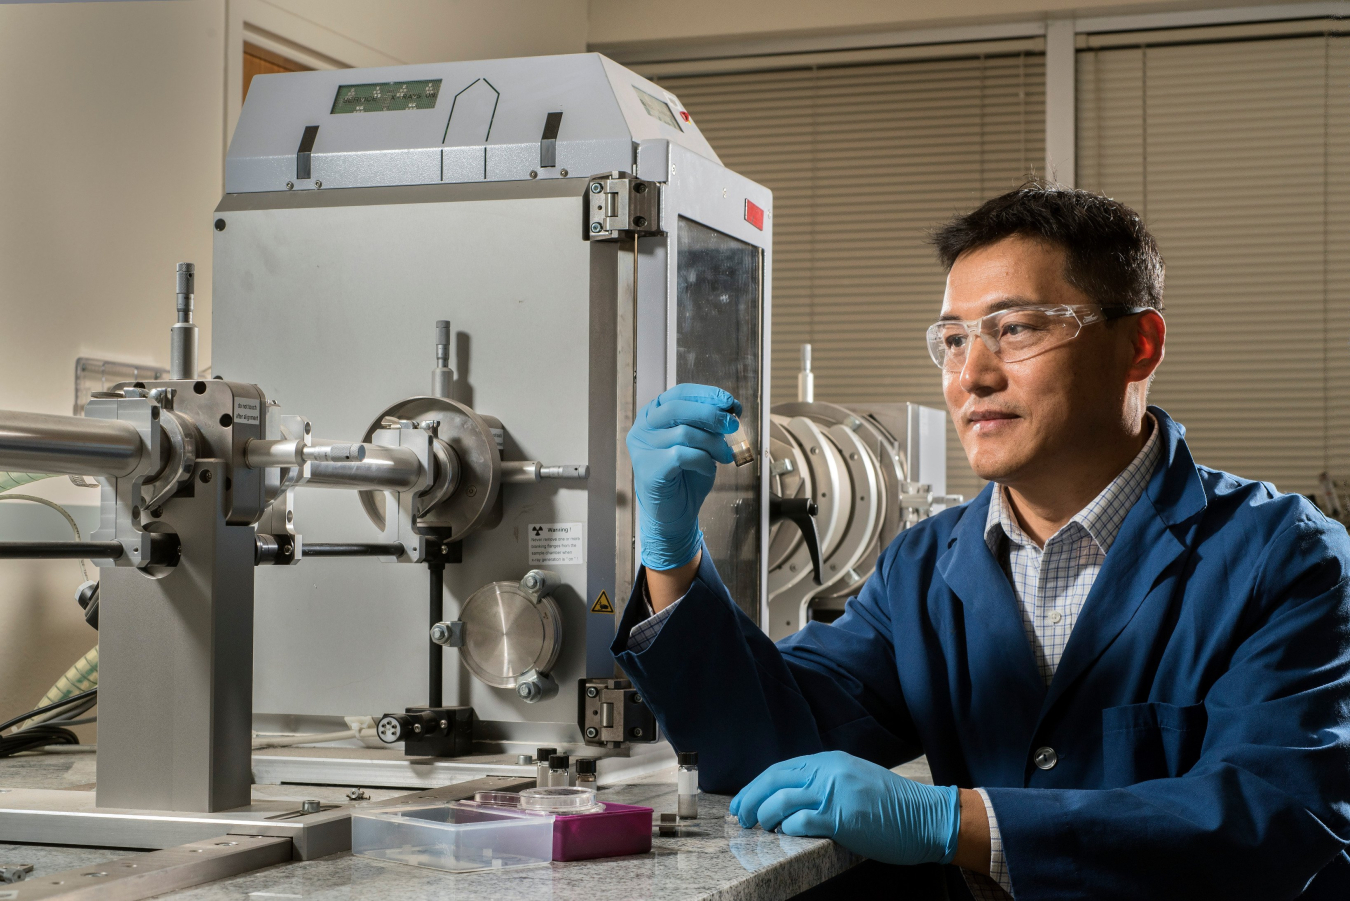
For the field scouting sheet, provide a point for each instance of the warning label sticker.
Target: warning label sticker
(557, 542)
(247, 411)
(602, 604)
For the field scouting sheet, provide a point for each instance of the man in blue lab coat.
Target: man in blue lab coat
(1130, 673)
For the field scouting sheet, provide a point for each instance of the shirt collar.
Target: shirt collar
(1101, 519)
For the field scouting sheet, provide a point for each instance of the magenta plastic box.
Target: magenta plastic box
(583, 828)
(618, 830)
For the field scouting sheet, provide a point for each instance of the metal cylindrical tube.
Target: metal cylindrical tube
(68, 445)
(183, 335)
(383, 469)
(515, 471)
(261, 453)
(442, 377)
(806, 379)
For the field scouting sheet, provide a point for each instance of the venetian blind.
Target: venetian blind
(863, 160)
(1237, 155)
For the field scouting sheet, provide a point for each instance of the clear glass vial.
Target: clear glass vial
(586, 771)
(558, 770)
(541, 757)
(741, 451)
(686, 786)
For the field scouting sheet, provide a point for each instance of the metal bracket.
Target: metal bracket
(620, 205)
(610, 713)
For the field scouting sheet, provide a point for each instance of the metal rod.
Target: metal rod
(517, 471)
(68, 445)
(59, 550)
(383, 469)
(353, 550)
(442, 377)
(260, 453)
(183, 335)
(436, 654)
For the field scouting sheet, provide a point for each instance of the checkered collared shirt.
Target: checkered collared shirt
(1051, 584)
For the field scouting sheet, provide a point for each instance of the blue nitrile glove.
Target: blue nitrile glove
(675, 445)
(864, 807)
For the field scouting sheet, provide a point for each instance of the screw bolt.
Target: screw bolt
(563, 173)
(290, 185)
(592, 732)
(317, 183)
(596, 187)
(310, 806)
(471, 491)
(637, 731)
(592, 692)
(533, 174)
(206, 475)
(596, 227)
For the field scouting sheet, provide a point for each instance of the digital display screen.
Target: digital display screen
(387, 97)
(658, 109)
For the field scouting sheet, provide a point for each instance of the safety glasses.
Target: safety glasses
(1017, 333)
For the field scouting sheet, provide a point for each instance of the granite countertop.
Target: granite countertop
(721, 861)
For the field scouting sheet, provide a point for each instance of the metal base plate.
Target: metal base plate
(46, 816)
(62, 817)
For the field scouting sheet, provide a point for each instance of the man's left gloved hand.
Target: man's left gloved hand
(866, 808)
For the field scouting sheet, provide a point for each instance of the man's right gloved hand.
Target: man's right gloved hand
(675, 445)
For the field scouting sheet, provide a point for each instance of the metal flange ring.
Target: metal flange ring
(471, 504)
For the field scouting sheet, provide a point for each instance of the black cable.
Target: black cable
(64, 702)
(34, 737)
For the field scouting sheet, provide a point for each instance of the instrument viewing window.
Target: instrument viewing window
(658, 109)
(387, 96)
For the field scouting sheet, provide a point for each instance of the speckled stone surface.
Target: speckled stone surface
(721, 861)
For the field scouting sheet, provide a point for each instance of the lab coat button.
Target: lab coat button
(1056, 617)
(1046, 758)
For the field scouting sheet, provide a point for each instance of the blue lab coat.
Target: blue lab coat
(1200, 713)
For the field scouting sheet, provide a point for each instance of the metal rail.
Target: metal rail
(353, 550)
(60, 550)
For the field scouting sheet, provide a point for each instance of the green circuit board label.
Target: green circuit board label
(386, 96)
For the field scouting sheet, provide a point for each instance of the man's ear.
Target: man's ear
(1146, 345)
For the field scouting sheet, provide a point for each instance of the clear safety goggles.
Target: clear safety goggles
(1017, 333)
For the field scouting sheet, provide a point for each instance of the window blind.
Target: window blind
(863, 161)
(1237, 155)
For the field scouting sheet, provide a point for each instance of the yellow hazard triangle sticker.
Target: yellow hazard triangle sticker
(602, 604)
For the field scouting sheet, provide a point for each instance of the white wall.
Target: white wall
(112, 148)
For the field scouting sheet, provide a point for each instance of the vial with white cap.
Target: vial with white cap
(686, 786)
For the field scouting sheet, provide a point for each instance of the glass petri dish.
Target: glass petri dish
(560, 800)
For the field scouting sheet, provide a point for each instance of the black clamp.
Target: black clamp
(800, 512)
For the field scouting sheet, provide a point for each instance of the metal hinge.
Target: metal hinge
(620, 205)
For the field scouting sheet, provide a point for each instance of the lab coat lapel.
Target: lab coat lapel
(1146, 546)
(996, 641)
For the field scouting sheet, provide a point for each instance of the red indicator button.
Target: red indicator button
(684, 115)
(754, 215)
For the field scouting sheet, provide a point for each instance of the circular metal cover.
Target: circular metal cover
(471, 502)
(507, 634)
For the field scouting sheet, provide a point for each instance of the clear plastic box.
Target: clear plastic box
(459, 839)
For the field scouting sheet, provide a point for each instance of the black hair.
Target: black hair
(1109, 254)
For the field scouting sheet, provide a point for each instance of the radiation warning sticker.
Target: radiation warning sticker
(557, 542)
(602, 604)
